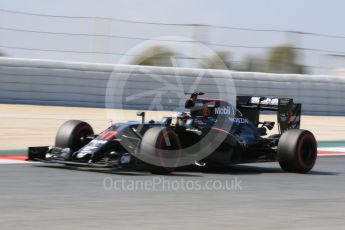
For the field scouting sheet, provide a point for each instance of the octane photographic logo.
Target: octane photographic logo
(149, 88)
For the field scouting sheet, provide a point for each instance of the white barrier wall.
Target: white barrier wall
(137, 87)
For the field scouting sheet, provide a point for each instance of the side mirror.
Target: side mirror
(167, 121)
(142, 115)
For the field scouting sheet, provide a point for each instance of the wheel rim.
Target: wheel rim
(168, 141)
(80, 133)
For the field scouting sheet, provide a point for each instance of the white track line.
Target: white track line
(7, 161)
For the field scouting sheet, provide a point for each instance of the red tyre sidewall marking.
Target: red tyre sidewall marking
(307, 137)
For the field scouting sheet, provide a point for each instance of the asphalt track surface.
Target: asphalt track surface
(37, 196)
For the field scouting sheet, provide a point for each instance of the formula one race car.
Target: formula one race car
(209, 132)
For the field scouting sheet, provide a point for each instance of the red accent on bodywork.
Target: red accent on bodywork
(106, 135)
(222, 130)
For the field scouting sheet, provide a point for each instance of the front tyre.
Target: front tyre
(71, 133)
(297, 151)
(161, 150)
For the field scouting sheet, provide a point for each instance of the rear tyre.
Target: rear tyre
(297, 151)
(161, 147)
(70, 134)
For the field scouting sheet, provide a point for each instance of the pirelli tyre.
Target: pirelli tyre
(297, 151)
(71, 133)
(161, 150)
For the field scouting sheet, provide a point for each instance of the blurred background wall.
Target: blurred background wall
(26, 81)
(273, 48)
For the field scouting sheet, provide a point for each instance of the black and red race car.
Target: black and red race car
(209, 132)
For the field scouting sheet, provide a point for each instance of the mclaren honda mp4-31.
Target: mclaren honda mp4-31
(209, 132)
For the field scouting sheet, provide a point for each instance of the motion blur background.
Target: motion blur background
(63, 53)
(262, 36)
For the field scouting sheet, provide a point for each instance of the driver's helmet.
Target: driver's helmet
(182, 118)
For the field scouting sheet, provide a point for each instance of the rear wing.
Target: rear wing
(288, 112)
